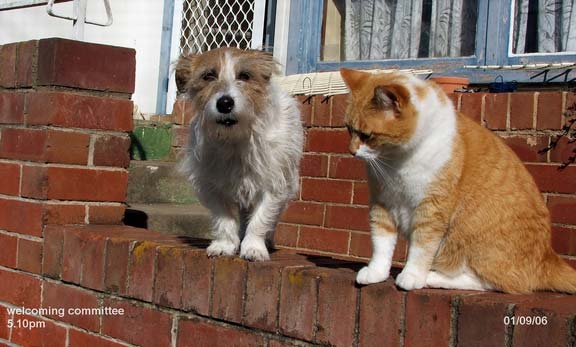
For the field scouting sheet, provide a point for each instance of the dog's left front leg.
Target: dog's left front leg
(262, 222)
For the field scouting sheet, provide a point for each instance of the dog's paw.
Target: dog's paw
(368, 275)
(410, 280)
(221, 247)
(254, 249)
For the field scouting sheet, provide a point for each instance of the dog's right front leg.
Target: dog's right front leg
(226, 226)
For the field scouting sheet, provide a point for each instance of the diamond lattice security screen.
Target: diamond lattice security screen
(209, 24)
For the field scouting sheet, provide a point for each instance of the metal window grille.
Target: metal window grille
(209, 24)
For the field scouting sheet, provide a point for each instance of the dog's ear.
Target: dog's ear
(264, 63)
(184, 72)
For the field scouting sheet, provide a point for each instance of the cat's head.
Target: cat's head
(380, 115)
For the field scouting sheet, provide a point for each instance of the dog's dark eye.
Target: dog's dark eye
(210, 76)
(244, 76)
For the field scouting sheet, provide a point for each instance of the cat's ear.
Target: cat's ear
(354, 78)
(385, 98)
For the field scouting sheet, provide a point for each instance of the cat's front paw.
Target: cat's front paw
(368, 275)
(254, 249)
(410, 280)
(222, 247)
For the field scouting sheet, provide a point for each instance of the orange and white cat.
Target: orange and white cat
(472, 213)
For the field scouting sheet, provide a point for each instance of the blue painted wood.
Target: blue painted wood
(164, 65)
(304, 35)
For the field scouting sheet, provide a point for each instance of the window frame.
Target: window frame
(494, 19)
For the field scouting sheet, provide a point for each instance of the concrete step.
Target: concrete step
(192, 220)
(159, 182)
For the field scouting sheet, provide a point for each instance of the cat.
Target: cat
(472, 213)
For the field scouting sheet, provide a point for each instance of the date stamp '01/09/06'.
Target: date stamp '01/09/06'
(526, 320)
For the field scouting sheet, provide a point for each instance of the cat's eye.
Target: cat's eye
(244, 76)
(364, 137)
(209, 75)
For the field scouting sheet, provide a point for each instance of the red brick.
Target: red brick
(72, 257)
(283, 343)
(112, 150)
(78, 338)
(286, 235)
(196, 332)
(339, 105)
(327, 140)
(337, 297)
(138, 325)
(479, 314)
(93, 263)
(564, 150)
(549, 115)
(455, 98)
(197, 281)
(321, 111)
(8, 65)
(48, 146)
(564, 240)
(168, 279)
(552, 180)
(348, 217)
(360, 245)
(298, 303)
(400, 250)
(141, 275)
(21, 217)
(4, 317)
(10, 182)
(95, 67)
(314, 165)
(326, 190)
(9, 246)
(229, 277)
(64, 214)
(30, 256)
(180, 136)
(347, 168)
(59, 296)
(11, 108)
(496, 110)
(116, 266)
(300, 212)
(19, 289)
(559, 312)
(79, 111)
(262, 292)
(471, 105)
(183, 111)
(25, 63)
(106, 214)
(428, 320)
(65, 183)
(306, 104)
(49, 335)
(53, 251)
(521, 110)
(361, 193)
(378, 301)
(326, 240)
(527, 148)
(562, 209)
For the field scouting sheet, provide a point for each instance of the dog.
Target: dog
(245, 146)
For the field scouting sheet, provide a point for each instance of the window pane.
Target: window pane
(544, 26)
(398, 29)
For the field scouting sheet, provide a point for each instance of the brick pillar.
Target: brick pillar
(65, 114)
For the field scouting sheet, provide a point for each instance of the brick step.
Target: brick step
(191, 220)
(159, 182)
(292, 300)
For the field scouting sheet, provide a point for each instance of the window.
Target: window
(442, 35)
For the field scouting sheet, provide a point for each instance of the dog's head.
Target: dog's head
(229, 89)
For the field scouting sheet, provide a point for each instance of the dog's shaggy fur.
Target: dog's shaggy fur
(245, 146)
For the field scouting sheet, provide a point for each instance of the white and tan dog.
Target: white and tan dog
(245, 146)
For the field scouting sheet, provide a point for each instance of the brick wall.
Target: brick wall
(63, 162)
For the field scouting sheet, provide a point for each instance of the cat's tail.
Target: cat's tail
(558, 276)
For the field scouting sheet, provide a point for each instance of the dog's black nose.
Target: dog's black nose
(225, 104)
